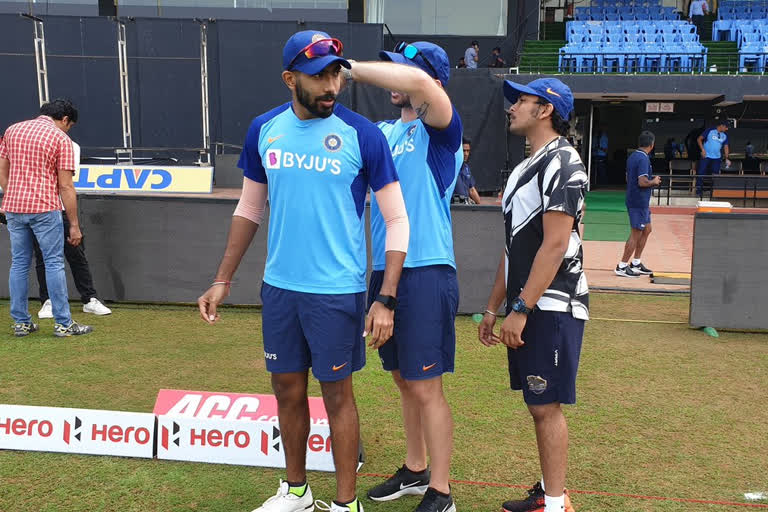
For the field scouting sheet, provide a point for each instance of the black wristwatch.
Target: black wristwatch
(519, 306)
(388, 301)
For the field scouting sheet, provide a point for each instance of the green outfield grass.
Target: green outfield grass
(662, 410)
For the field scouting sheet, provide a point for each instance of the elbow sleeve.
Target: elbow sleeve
(252, 202)
(392, 206)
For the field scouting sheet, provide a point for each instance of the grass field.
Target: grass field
(662, 411)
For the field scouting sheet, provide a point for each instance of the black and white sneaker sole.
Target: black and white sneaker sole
(416, 490)
(621, 273)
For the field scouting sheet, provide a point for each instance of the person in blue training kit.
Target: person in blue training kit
(426, 145)
(465, 184)
(712, 143)
(315, 159)
(640, 182)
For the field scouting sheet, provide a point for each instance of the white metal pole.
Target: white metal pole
(206, 157)
(122, 58)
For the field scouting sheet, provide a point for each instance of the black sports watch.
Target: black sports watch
(519, 306)
(388, 301)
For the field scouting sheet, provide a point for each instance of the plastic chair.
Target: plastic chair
(681, 168)
(752, 56)
(613, 54)
(722, 30)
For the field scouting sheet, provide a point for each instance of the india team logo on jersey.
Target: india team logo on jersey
(332, 143)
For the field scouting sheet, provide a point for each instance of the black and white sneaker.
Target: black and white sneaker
(625, 271)
(403, 483)
(640, 269)
(74, 329)
(22, 329)
(434, 501)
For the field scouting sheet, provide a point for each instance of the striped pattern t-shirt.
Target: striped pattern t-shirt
(552, 179)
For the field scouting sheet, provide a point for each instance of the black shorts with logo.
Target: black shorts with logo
(545, 367)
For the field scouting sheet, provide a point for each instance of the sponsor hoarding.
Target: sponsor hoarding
(238, 442)
(87, 431)
(228, 406)
(144, 179)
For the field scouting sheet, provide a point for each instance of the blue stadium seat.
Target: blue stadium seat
(753, 55)
(724, 30)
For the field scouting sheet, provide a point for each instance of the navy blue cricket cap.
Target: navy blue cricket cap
(294, 59)
(549, 89)
(435, 56)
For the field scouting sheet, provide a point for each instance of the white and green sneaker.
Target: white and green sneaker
(289, 499)
(353, 506)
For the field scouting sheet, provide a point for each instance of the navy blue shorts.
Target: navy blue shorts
(545, 367)
(303, 330)
(639, 217)
(423, 345)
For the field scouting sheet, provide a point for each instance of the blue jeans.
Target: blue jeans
(48, 229)
(706, 167)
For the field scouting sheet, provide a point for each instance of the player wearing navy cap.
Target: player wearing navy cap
(426, 145)
(315, 159)
(545, 288)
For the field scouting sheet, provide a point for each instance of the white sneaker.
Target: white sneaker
(96, 307)
(355, 506)
(46, 311)
(284, 501)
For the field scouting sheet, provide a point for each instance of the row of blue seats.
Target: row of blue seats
(610, 27)
(628, 3)
(675, 24)
(755, 13)
(633, 38)
(732, 30)
(665, 13)
(629, 58)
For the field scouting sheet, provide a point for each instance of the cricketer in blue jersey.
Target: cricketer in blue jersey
(426, 146)
(640, 182)
(315, 160)
(713, 143)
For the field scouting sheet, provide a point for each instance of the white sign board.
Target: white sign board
(87, 431)
(238, 442)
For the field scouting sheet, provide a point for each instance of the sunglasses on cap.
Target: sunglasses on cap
(320, 48)
(410, 52)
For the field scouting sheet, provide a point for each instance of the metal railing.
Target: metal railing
(720, 63)
(718, 186)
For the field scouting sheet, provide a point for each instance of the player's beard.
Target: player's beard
(403, 102)
(305, 100)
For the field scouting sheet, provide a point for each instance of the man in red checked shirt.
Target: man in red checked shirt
(37, 165)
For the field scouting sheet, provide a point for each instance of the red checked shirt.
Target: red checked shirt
(37, 150)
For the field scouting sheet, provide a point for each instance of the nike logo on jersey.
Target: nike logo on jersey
(427, 368)
(337, 368)
(270, 140)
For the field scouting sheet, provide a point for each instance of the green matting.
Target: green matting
(606, 217)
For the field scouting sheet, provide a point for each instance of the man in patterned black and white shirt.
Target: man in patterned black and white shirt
(540, 276)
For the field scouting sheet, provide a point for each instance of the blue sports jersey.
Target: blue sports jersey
(713, 142)
(638, 164)
(318, 172)
(428, 161)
